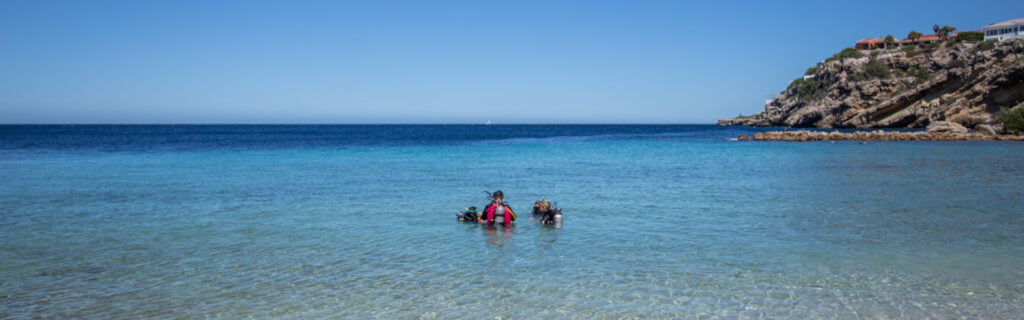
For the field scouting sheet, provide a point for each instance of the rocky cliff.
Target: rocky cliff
(970, 83)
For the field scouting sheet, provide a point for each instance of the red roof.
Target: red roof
(927, 37)
(933, 37)
(871, 41)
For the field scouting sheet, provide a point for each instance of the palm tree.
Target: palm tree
(889, 40)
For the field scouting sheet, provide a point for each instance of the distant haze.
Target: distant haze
(430, 61)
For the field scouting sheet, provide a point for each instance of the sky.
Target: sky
(206, 62)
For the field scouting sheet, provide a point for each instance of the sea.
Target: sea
(359, 222)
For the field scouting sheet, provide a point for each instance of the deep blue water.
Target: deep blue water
(273, 137)
(671, 221)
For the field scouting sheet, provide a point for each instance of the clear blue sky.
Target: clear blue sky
(430, 61)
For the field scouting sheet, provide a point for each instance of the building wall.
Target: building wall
(1000, 33)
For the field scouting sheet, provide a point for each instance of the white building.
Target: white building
(1013, 29)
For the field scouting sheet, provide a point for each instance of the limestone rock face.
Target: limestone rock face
(985, 129)
(877, 135)
(945, 127)
(955, 82)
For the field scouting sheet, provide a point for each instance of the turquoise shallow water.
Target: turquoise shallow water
(660, 222)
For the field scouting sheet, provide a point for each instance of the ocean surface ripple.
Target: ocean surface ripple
(661, 221)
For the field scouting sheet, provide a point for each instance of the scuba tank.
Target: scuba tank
(499, 213)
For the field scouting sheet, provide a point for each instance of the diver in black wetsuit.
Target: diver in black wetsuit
(549, 214)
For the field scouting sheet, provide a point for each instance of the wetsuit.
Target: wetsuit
(499, 212)
(548, 216)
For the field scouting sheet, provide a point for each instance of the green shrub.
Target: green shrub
(1014, 120)
(970, 36)
(911, 50)
(986, 45)
(799, 83)
(812, 70)
(806, 89)
(919, 72)
(875, 69)
(846, 53)
(958, 63)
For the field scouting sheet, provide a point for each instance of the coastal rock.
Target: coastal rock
(985, 129)
(946, 127)
(807, 135)
(902, 88)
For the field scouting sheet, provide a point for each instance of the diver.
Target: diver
(469, 215)
(549, 214)
(498, 211)
(541, 206)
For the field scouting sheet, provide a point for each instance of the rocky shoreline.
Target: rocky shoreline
(878, 135)
(969, 83)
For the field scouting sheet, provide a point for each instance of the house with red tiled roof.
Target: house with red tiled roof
(875, 43)
(927, 38)
(1012, 29)
(869, 44)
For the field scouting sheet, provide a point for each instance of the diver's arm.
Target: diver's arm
(483, 213)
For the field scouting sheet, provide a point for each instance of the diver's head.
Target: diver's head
(498, 195)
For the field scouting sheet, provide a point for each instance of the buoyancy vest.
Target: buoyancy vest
(499, 212)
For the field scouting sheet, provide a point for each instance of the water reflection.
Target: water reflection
(547, 234)
(499, 235)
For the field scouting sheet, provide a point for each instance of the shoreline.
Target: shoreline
(807, 135)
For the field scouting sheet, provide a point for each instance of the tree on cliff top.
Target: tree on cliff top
(946, 30)
(943, 31)
(914, 35)
(889, 41)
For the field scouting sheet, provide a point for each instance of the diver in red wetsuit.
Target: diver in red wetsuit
(498, 211)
